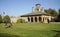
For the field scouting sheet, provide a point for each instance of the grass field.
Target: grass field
(31, 30)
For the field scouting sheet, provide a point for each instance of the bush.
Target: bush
(20, 21)
(0, 19)
(6, 19)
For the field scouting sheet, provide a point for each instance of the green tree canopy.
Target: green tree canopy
(0, 19)
(51, 12)
(59, 11)
(6, 19)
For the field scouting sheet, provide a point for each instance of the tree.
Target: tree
(6, 19)
(51, 12)
(59, 11)
(0, 19)
(57, 19)
(46, 10)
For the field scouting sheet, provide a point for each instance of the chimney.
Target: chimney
(42, 10)
(33, 9)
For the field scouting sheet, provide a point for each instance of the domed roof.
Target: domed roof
(37, 3)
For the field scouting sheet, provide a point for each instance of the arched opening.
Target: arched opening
(35, 19)
(28, 19)
(39, 19)
(37, 9)
(43, 19)
(48, 20)
(31, 19)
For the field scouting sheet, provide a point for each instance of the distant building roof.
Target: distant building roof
(34, 14)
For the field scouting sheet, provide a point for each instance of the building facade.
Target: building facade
(37, 15)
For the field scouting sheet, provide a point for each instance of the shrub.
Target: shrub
(20, 21)
(0, 19)
(6, 19)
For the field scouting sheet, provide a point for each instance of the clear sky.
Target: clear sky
(20, 7)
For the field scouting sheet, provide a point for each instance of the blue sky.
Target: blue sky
(20, 7)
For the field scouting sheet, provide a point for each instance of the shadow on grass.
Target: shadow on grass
(58, 33)
(8, 35)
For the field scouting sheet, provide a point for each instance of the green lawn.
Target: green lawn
(31, 30)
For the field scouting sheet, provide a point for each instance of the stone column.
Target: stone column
(42, 19)
(45, 20)
(33, 19)
(33, 9)
(30, 19)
